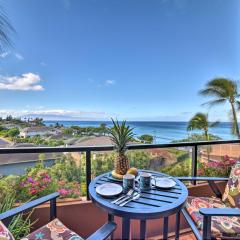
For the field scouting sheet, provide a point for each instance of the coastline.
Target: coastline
(163, 131)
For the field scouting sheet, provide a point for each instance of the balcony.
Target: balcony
(177, 159)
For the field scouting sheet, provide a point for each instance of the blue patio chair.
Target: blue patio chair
(215, 217)
(55, 229)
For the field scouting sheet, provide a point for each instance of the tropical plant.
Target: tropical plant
(121, 134)
(20, 224)
(224, 90)
(200, 121)
(5, 31)
(8, 185)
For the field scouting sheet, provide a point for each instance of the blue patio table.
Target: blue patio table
(153, 204)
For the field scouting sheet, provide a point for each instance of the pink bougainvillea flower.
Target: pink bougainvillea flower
(63, 192)
(22, 184)
(46, 180)
(30, 180)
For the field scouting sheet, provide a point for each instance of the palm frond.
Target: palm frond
(6, 29)
(213, 103)
(222, 90)
(198, 121)
(213, 92)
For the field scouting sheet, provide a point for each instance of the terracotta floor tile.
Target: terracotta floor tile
(188, 237)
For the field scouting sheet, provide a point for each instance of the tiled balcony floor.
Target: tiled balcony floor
(183, 236)
(187, 237)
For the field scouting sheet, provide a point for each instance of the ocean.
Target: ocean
(163, 132)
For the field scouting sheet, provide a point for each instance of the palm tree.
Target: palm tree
(5, 31)
(224, 90)
(200, 121)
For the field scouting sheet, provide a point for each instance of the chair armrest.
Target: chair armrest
(215, 179)
(220, 212)
(29, 205)
(104, 232)
(211, 181)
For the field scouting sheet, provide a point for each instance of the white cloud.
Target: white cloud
(4, 54)
(54, 114)
(19, 56)
(109, 82)
(25, 82)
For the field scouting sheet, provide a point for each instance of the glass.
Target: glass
(30, 176)
(217, 160)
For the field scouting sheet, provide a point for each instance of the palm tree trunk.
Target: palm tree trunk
(206, 134)
(235, 121)
(208, 147)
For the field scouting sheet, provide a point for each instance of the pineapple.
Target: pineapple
(121, 134)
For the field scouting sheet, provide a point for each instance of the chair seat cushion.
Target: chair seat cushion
(5, 233)
(228, 227)
(55, 230)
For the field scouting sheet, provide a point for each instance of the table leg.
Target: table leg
(165, 228)
(142, 229)
(177, 225)
(125, 228)
(111, 219)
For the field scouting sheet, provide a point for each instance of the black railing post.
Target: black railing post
(88, 171)
(53, 209)
(194, 162)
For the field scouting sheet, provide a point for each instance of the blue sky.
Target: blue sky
(131, 59)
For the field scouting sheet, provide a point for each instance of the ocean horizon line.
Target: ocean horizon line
(159, 121)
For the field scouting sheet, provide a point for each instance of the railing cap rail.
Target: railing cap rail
(111, 147)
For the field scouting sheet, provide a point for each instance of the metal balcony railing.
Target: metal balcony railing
(88, 149)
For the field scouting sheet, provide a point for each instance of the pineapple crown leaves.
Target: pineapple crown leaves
(120, 134)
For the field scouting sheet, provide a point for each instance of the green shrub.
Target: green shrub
(8, 185)
(146, 138)
(182, 168)
(139, 159)
(20, 224)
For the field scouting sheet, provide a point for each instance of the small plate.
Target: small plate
(109, 189)
(164, 182)
(113, 178)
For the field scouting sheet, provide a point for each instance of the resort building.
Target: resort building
(38, 131)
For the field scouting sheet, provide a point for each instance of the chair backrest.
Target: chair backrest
(231, 194)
